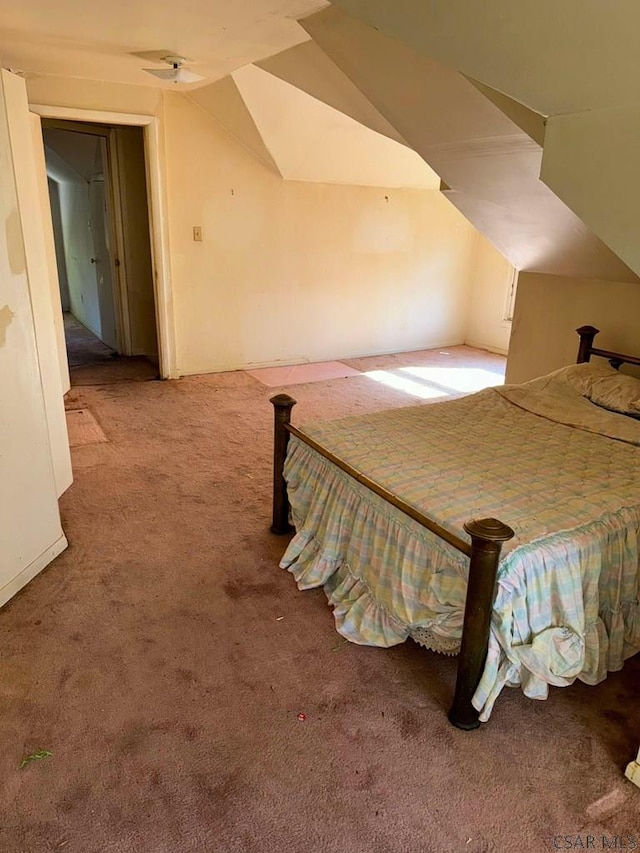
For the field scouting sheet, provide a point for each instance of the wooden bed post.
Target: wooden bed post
(282, 405)
(487, 536)
(587, 334)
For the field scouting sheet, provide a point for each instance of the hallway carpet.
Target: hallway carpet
(164, 659)
(83, 347)
(92, 362)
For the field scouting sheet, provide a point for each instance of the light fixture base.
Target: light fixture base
(176, 73)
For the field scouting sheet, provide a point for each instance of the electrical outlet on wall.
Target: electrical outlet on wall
(197, 233)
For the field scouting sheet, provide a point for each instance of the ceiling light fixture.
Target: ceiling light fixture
(176, 73)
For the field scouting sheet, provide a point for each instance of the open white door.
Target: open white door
(30, 529)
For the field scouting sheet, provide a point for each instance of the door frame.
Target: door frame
(113, 223)
(158, 225)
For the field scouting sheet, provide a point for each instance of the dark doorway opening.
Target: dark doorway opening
(98, 193)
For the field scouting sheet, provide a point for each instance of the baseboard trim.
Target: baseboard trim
(296, 360)
(34, 568)
(488, 347)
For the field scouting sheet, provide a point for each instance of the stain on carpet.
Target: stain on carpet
(241, 589)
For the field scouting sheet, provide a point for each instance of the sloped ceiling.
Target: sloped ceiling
(531, 122)
(223, 101)
(311, 141)
(554, 57)
(306, 67)
(568, 73)
(490, 164)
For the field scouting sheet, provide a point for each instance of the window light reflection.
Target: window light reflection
(403, 383)
(465, 379)
(429, 383)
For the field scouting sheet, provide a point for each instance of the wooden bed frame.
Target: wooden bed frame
(487, 536)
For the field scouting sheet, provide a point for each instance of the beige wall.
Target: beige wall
(290, 271)
(490, 280)
(93, 95)
(30, 530)
(549, 309)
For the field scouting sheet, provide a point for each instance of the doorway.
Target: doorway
(98, 195)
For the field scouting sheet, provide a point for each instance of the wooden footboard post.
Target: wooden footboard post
(282, 405)
(487, 536)
(587, 334)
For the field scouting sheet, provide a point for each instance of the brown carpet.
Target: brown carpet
(164, 658)
(132, 368)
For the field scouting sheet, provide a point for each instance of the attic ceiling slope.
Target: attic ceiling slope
(311, 141)
(491, 166)
(308, 68)
(591, 161)
(574, 62)
(554, 57)
(531, 122)
(224, 102)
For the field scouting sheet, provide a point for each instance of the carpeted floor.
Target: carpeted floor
(164, 658)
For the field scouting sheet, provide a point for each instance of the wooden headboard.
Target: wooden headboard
(587, 349)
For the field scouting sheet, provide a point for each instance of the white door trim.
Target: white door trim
(157, 216)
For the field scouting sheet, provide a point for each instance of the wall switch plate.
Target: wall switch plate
(197, 233)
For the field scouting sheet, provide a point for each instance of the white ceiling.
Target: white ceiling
(73, 38)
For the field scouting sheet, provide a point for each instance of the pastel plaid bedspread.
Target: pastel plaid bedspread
(567, 599)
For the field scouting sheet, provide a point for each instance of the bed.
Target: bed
(401, 517)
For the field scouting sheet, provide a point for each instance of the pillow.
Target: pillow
(580, 377)
(616, 392)
(600, 383)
